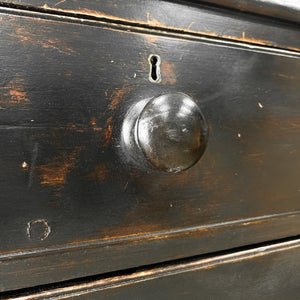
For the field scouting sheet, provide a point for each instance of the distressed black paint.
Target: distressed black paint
(65, 90)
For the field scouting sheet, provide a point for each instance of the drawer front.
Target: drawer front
(259, 273)
(72, 205)
(203, 18)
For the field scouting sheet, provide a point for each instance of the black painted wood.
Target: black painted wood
(53, 264)
(188, 17)
(283, 9)
(65, 90)
(261, 273)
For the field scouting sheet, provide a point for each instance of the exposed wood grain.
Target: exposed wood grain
(270, 271)
(190, 17)
(65, 89)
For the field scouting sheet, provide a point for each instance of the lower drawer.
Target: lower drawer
(261, 273)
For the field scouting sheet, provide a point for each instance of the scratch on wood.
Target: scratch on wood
(253, 223)
(86, 11)
(125, 186)
(108, 130)
(189, 27)
(244, 39)
(153, 21)
(60, 2)
(285, 76)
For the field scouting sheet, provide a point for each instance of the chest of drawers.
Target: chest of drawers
(147, 144)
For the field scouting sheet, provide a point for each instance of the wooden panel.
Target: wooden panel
(283, 9)
(53, 264)
(192, 17)
(261, 273)
(65, 89)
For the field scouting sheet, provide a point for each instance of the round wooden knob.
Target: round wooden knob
(167, 132)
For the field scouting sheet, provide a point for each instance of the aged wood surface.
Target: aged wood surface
(261, 273)
(29, 268)
(65, 89)
(283, 9)
(193, 17)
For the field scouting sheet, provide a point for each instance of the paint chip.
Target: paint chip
(24, 165)
(38, 230)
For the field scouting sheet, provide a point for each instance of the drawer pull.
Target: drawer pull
(168, 133)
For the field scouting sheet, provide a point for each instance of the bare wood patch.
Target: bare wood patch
(41, 37)
(54, 173)
(168, 72)
(13, 94)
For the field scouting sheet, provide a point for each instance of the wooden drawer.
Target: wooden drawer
(260, 273)
(71, 206)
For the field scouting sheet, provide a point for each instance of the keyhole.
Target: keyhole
(154, 68)
(154, 61)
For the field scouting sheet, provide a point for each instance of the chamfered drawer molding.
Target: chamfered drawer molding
(260, 273)
(189, 17)
(72, 205)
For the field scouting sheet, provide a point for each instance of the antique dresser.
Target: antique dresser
(150, 149)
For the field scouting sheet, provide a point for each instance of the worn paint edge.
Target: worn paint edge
(155, 273)
(141, 237)
(101, 16)
(143, 27)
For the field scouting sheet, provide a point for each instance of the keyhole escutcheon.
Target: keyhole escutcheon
(154, 74)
